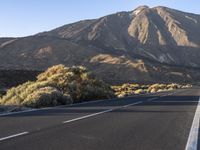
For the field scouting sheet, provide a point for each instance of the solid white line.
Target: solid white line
(176, 101)
(109, 110)
(176, 92)
(101, 112)
(154, 98)
(49, 108)
(18, 112)
(87, 102)
(12, 136)
(194, 131)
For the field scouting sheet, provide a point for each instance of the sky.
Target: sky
(20, 18)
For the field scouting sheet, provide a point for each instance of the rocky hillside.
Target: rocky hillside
(161, 34)
(144, 45)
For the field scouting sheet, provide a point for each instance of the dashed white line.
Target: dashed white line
(101, 112)
(12, 136)
(34, 110)
(49, 108)
(87, 116)
(151, 99)
(194, 131)
(109, 110)
(131, 104)
(192, 140)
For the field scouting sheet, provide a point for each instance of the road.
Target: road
(162, 121)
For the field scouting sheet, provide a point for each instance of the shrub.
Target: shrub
(173, 86)
(187, 86)
(56, 86)
(139, 91)
(131, 89)
(47, 96)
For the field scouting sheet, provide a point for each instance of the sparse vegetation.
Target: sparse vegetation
(57, 86)
(61, 85)
(132, 89)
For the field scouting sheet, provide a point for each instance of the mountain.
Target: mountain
(144, 45)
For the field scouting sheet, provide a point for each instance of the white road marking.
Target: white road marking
(19, 112)
(101, 112)
(12, 136)
(192, 142)
(176, 101)
(49, 108)
(87, 116)
(151, 99)
(194, 131)
(109, 110)
(173, 93)
(68, 105)
(87, 102)
(131, 104)
(154, 98)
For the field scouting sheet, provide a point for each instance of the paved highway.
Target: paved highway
(162, 121)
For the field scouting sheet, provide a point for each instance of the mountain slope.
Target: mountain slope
(144, 45)
(161, 34)
(37, 53)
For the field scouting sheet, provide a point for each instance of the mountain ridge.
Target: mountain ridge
(138, 45)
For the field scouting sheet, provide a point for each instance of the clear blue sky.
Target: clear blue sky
(27, 17)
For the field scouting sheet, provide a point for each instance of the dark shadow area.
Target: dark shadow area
(10, 78)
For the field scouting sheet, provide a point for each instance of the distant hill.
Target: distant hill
(144, 45)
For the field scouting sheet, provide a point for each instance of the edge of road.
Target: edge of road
(193, 136)
(88, 102)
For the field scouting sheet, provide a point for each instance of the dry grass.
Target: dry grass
(133, 89)
(61, 85)
(57, 86)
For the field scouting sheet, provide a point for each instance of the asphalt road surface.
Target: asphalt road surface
(162, 121)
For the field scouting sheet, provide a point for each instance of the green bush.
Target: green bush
(56, 86)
